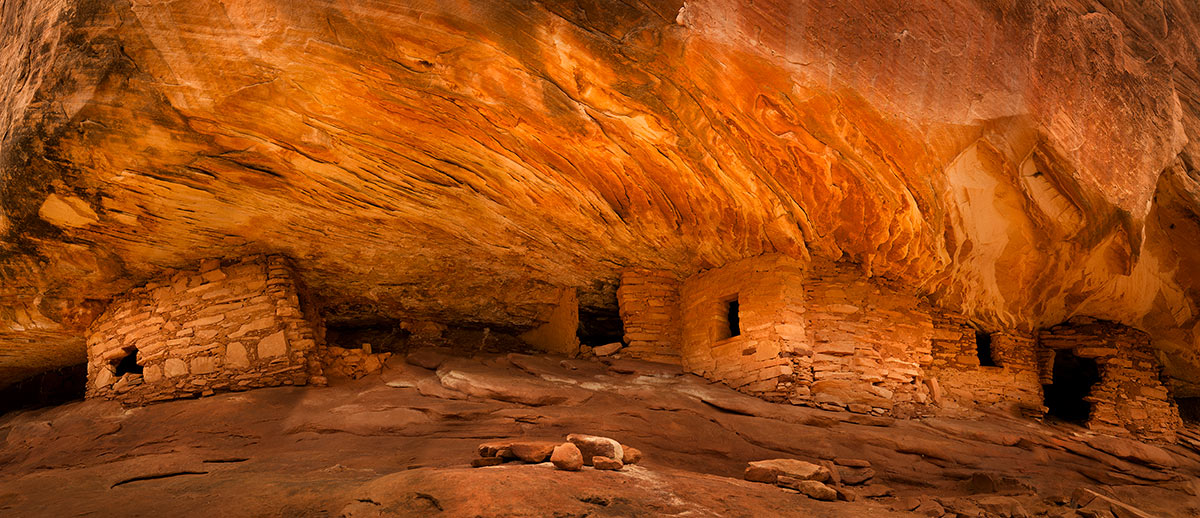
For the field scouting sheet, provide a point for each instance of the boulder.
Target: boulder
(931, 508)
(632, 455)
(855, 476)
(606, 463)
(489, 449)
(810, 488)
(532, 452)
(845, 494)
(567, 457)
(428, 357)
(596, 446)
(607, 349)
(768, 471)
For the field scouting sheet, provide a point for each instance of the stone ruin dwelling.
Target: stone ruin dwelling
(223, 327)
(817, 334)
(825, 336)
(978, 213)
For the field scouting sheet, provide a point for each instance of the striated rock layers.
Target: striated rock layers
(1019, 162)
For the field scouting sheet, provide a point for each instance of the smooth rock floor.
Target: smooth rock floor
(400, 444)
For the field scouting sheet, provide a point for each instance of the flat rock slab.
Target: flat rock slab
(643, 368)
(769, 471)
(478, 380)
(1132, 450)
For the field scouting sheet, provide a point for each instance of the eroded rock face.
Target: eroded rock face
(1021, 162)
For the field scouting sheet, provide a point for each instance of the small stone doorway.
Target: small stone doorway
(1073, 379)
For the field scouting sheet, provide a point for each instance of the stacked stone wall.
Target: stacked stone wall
(1013, 383)
(649, 309)
(871, 340)
(1130, 397)
(231, 326)
(771, 355)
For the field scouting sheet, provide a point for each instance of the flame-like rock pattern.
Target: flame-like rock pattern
(1022, 162)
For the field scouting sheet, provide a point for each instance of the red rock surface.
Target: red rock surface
(1021, 161)
(365, 448)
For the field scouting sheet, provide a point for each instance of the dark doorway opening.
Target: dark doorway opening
(1073, 380)
(129, 364)
(383, 336)
(732, 316)
(983, 348)
(600, 325)
(1189, 409)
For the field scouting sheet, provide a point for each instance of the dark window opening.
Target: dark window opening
(129, 364)
(733, 318)
(1073, 380)
(600, 325)
(983, 348)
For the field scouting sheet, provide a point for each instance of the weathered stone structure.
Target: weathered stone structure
(973, 367)
(227, 326)
(649, 309)
(743, 324)
(825, 334)
(1129, 397)
(871, 340)
(772, 327)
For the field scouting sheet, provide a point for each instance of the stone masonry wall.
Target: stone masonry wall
(1130, 397)
(231, 326)
(871, 340)
(649, 308)
(1014, 382)
(770, 358)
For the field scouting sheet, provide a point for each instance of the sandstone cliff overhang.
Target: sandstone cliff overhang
(1020, 163)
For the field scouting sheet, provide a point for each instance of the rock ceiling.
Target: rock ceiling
(1022, 161)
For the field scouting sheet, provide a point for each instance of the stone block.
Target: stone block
(236, 356)
(273, 345)
(203, 365)
(256, 325)
(174, 368)
(152, 374)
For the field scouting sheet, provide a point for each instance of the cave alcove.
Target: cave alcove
(600, 315)
(50, 388)
(383, 336)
